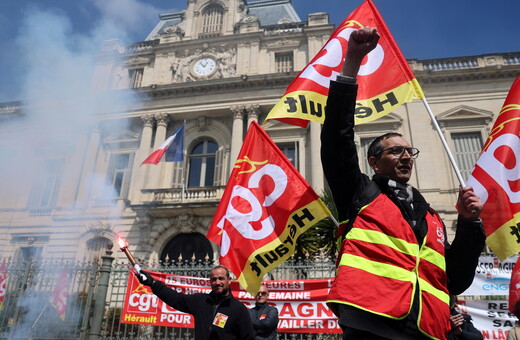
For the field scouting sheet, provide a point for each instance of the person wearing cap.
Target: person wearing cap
(395, 269)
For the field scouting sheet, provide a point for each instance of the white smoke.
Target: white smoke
(59, 104)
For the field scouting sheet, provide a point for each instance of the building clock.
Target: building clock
(204, 67)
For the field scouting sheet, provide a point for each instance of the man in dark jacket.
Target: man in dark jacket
(461, 326)
(218, 315)
(264, 317)
(396, 268)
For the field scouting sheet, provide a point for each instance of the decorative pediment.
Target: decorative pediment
(464, 115)
(390, 122)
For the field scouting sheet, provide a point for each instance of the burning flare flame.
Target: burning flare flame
(122, 242)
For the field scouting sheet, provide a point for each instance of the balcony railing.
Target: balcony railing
(188, 195)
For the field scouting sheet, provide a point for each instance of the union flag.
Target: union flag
(58, 298)
(385, 80)
(496, 179)
(265, 207)
(3, 283)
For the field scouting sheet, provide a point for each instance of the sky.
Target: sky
(422, 29)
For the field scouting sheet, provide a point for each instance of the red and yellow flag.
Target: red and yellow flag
(3, 283)
(496, 179)
(266, 206)
(58, 298)
(385, 80)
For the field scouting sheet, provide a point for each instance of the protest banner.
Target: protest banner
(300, 303)
(491, 318)
(491, 277)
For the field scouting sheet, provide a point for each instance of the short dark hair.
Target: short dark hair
(375, 149)
(221, 267)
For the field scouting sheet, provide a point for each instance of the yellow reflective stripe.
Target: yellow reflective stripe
(439, 294)
(378, 237)
(433, 256)
(378, 268)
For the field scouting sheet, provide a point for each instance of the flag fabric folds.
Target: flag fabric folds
(173, 147)
(58, 298)
(514, 287)
(496, 179)
(3, 283)
(385, 80)
(266, 205)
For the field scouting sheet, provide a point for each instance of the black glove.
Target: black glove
(145, 278)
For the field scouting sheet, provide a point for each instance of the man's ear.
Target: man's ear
(372, 161)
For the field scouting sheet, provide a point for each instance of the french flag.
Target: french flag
(173, 148)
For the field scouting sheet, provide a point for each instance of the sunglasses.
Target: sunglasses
(261, 293)
(398, 151)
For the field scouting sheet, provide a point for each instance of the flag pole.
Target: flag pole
(183, 164)
(333, 219)
(444, 143)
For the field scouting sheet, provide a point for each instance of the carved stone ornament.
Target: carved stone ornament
(283, 43)
(175, 30)
(137, 61)
(249, 19)
(144, 221)
(148, 119)
(162, 119)
(187, 223)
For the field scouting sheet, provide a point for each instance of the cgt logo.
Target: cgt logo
(327, 66)
(496, 285)
(241, 219)
(142, 303)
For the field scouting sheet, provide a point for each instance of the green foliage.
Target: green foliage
(321, 237)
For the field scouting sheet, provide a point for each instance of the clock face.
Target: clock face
(204, 66)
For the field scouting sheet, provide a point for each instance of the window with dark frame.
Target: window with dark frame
(284, 62)
(202, 164)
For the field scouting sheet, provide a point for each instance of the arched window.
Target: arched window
(212, 19)
(186, 247)
(202, 164)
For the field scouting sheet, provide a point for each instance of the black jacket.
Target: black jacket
(347, 182)
(205, 307)
(469, 332)
(265, 321)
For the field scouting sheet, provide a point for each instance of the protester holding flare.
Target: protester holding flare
(396, 268)
(218, 315)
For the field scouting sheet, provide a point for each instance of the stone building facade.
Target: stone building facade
(215, 67)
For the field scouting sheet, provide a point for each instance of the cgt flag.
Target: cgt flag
(496, 179)
(514, 287)
(173, 148)
(58, 298)
(385, 80)
(266, 206)
(3, 283)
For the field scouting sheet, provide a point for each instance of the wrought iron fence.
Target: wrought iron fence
(114, 329)
(28, 312)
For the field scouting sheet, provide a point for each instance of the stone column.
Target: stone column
(237, 135)
(88, 170)
(154, 178)
(139, 171)
(317, 179)
(253, 111)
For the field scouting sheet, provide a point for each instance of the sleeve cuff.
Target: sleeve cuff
(345, 79)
